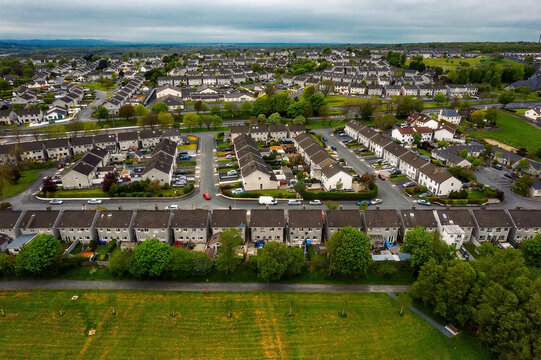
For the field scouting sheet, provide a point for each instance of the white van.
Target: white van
(267, 200)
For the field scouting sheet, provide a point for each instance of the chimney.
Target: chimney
(519, 207)
(341, 207)
(48, 208)
(304, 207)
(119, 207)
(413, 206)
(483, 207)
(377, 207)
(155, 206)
(267, 206)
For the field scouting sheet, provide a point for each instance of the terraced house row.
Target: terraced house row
(437, 179)
(201, 229)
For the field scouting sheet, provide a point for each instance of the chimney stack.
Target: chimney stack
(156, 207)
(119, 207)
(341, 207)
(413, 206)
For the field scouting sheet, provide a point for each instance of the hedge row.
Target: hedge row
(435, 199)
(337, 195)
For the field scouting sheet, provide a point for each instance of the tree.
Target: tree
(490, 115)
(152, 259)
(367, 107)
(418, 243)
(325, 113)
(202, 264)
(317, 101)
(198, 106)
(349, 106)
(349, 252)
(160, 107)
(38, 255)
(6, 264)
(384, 121)
(246, 108)
(120, 263)
(300, 185)
(331, 205)
(165, 120)
(190, 120)
(440, 99)
(216, 110)
(299, 120)
(506, 97)
(308, 92)
(523, 165)
(326, 87)
(261, 119)
(140, 110)
(417, 138)
(150, 119)
(270, 90)
(108, 180)
(276, 260)
(231, 107)
(102, 113)
(126, 111)
(216, 121)
(49, 186)
(274, 119)
(477, 117)
(182, 264)
(227, 259)
(522, 185)
(404, 300)
(532, 250)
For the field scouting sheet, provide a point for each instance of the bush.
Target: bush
(5, 205)
(336, 195)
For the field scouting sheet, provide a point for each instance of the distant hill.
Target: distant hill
(71, 43)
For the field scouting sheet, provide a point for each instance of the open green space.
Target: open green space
(98, 86)
(98, 193)
(27, 178)
(450, 63)
(140, 325)
(513, 131)
(320, 124)
(335, 100)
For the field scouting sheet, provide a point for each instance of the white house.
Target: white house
(438, 180)
(533, 114)
(449, 115)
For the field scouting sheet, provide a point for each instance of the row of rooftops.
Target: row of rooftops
(260, 129)
(318, 155)
(249, 157)
(48, 219)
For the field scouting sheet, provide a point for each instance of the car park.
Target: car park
(56, 202)
(206, 196)
(94, 201)
(363, 202)
(172, 207)
(376, 201)
(314, 202)
(386, 167)
(293, 202)
(423, 202)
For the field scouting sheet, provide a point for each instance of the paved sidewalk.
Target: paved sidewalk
(195, 286)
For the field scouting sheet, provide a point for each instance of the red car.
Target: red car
(206, 196)
(382, 177)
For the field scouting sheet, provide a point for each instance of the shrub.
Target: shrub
(335, 195)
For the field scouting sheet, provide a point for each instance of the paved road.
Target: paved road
(194, 286)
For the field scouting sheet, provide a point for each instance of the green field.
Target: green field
(513, 131)
(28, 177)
(98, 86)
(449, 63)
(320, 124)
(334, 100)
(259, 328)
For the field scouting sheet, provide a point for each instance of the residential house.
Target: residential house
(128, 140)
(404, 134)
(32, 150)
(410, 164)
(338, 219)
(455, 226)
(39, 222)
(82, 144)
(222, 220)
(527, 224)
(267, 225)
(8, 117)
(393, 152)
(83, 173)
(106, 141)
(190, 227)
(413, 218)
(255, 173)
(295, 130)
(29, 116)
(278, 132)
(305, 226)
(237, 130)
(57, 148)
(149, 138)
(383, 226)
(77, 225)
(449, 115)
(533, 114)
(259, 132)
(114, 225)
(492, 225)
(8, 223)
(378, 142)
(438, 180)
(152, 224)
(445, 132)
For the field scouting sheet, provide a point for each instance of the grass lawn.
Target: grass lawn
(513, 131)
(521, 111)
(28, 177)
(398, 177)
(320, 124)
(449, 63)
(187, 163)
(98, 86)
(187, 147)
(143, 327)
(335, 100)
(83, 193)
(203, 129)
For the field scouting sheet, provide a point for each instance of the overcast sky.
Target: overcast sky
(323, 21)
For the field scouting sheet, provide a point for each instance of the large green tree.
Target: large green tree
(532, 250)
(506, 97)
(160, 107)
(227, 259)
(276, 260)
(140, 110)
(349, 252)
(190, 120)
(38, 256)
(152, 259)
(418, 243)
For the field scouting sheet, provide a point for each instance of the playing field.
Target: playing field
(259, 328)
(513, 131)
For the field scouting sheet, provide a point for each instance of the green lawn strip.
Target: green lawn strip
(320, 124)
(27, 178)
(512, 131)
(203, 129)
(187, 163)
(187, 147)
(398, 177)
(258, 328)
(98, 86)
(97, 193)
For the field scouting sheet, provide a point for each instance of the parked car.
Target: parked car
(171, 207)
(56, 202)
(232, 172)
(333, 147)
(509, 176)
(386, 167)
(423, 202)
(324, 138)
(382, 177)
(363, 202)
(293, 202)
(238, 191)
(185, 157)
(314, 202)
(425, 194)
(267, 200)
(395, 172)
(408, 184)
(94, 201)
(229, 156)
(376, 201)
(93, 257)
(206, 196)
(497, 167)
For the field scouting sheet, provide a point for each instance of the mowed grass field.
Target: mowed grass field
(259, 328)
(513, 131)
(27, 178)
